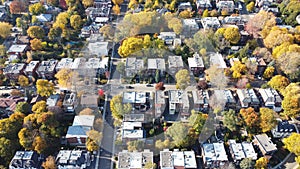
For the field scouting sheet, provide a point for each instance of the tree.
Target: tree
(76, 21)
(205, 13)
(277, 36)
(196, 122)
(95, 136)
(36, 44)
(279, 82)
(118, 109)
(160, 86)
(118, 2)
(116, 9)
(290, 63)
(23, 107)
(230, 119)
(232, 34)
(150, 165)
(121, 68)
(182, 79)
(62, 20)
(107, 31)
(186, 14)
(49, 163)
(35, 32)
(64, 77)
(17, 6)
(267, 119)
(292, 144)
(23, 81)
(86, 111)
(136, 145)
(247, 163)
(250, 6)
(250, 117)
(202, 85)
(130, 46)
(238, 69)
(55, 33)
(53, 2)
(261, 163)
(179, 134)
(216, 76)
(44, 87)
(5, 29)
(26, 138)
(39, 144)
(290, 103)
(157, 76)
(39, 107)
(160, 145)
(176, 25)
(36, 9)
(269, 71)
(7, 149)
(87, 3)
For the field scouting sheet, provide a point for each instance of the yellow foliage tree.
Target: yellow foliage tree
(39, 107)
(23, 81)
(182, 79)
(237, 69)
(268, 73)
(117, 2)
(88, 3)
(277, 36)
(49, 163)
(76, 21)
(44, 87)
(130, 46)
(62, 20)
(116, 9)
(36, 44)
(5, 29)
(267, 119)
(279, 82)
(232, 34)
(250, 6)
(186, 14)
(292, 143)
(64, 77)
(261, 163)
(291, 101)
(176, 25)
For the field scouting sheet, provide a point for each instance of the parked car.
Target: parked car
(129, 87)
(149, 85)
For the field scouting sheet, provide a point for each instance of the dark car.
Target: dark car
(149, 85)
(129, 87)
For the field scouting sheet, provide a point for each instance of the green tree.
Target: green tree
(232, 34)
(247, 163)
(121, 68)
(19, 22)
(136, 145)
(6, 149)
(157, 76)
(61, 20)
(261, 163)
(196, 122)
(176, 25)
(182, 79)
(118, 109)
(23, 107)
(279, 82)
(76, 21)
(292, 144)
(230, 119)
(267, 119)
(179, 134)
(35, 32)
(5, 29)
(36, 9)
(44, 87)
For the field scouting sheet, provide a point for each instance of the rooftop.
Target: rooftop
(210, 22)
(134, 117)
(200, 96)
(17, 48)
(217, 59)
(133, 63)
(31, 65)
(47, 66)
(265, 143)
(177, 159)
(69, 99)
(78, 63)
(196, 61)
(247, 96)
(214, 152)
(134, 159)
(64, 63)
(156, 63)
(134, 97)
(52, 100)
(175, 62)
(98, 48)
(225, 94)
(72, 159)
(14, 68)
(84, 120)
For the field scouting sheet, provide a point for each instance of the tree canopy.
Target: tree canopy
(182, 79)
(5, 29)
(267, 119)
(44, 87)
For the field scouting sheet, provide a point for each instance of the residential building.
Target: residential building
(189, 27)
(227, 97)
(24, 40)
(239, 151)
(89, 100)
(139, 100)
(86, 31)
(214, 155)
(196, 64)
(73, 159)
(133, 66)
(25, 160)
(52, 100)
(247, 98)
(201, 100)
(3, 13)
(185, 6)
(266, 146)
(225, 5)
(130, 160)
(234, 20)
(17, 49)
(31, 69)
(46, 69)
(261, 65)
(9, 104)
(97, 64)
(12, 71)
(179, 103)
(79, 63)
(167, 37)
(132, 131)
(177, 159)
(98, 48)
(156, 64)
(77, 133)
(271, 99)
(44, 18)
(134, 117)
(203, 4)
(283, 129)
(210, 23)
(160, 103)
(64, 63)
(175, 64)
(217, 59)
(70, 102)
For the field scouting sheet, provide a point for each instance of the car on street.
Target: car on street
(149, 85)
(129, 87)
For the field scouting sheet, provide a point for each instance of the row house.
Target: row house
(225, 96)
(25, 159)
(134, 159)
(284, 129)
(271, 99)
(139, 100)
(179, 103)
(201, 100)
(73, 159)
(189, 27)
(16, 51)
(225, 5)
(9, 104)
(133, 66)
(31, 69)
(64, 63)
(203, 4)
(175, 64)
(70, 102)
(12, 71)
(177, 159)
(46, 69)
(196, 64)
(160, 103)
(239, 151)
(155, 64)
(248, 98)
(132, 127)
(265, 144)
(167, 37)
(217, 59)
(210, 23)
(214, 155)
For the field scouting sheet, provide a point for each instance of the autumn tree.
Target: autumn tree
(238, 69)
(64, 77)
(116, 9)
(290, 103)
(86, 111)
(269, 72)
(44, 87)
(136, 145)
(250, 117)
(118, 2)
(76, 21)
(107, 31)
(87, 3)
(195, 123)
(160, 145)
(216, 76)
(232, 34)
(202, 84)
(52, 2)
(230, 119)
(37, 8)
(290, 63)
(17, 6)
(277, 36)
(267, 119)
(23, 81)
(250, 6)
(61, 20)
(35, 32)
(130, 46)
(55, 33)
(182, 79)
(261, 163)
(292, 144)
(279, 82)
(23, 107)
(49, 163)
(118, 109)
(176, 25)
(39, 107)
(160, 86)
(36, 44)
(186, 14)
(121, 68)
(5, 29)
(246, 163)
(93, 141)
(205, 13)
(150, 165)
